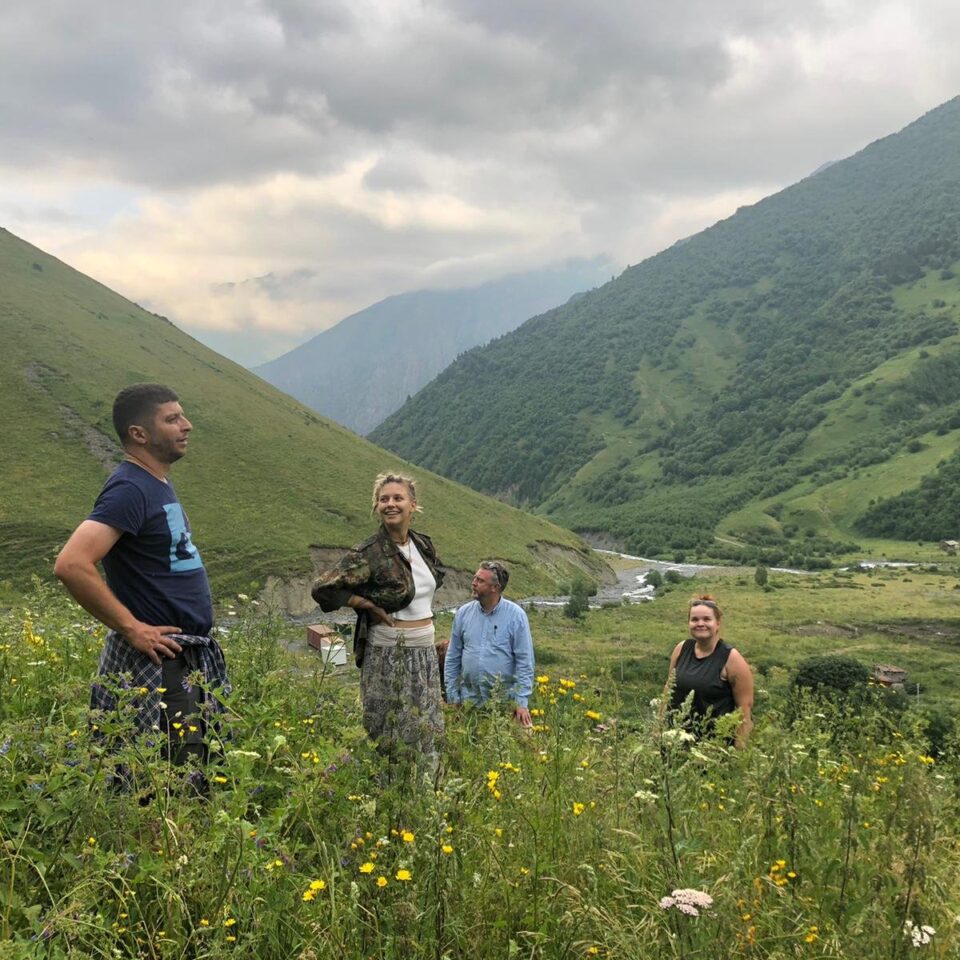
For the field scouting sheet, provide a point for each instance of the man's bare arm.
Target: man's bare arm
(76, 567)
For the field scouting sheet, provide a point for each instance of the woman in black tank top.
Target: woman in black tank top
(715, 673)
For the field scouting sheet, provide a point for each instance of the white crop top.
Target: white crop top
(425, 585)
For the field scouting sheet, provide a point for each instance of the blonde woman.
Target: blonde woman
(390, 580)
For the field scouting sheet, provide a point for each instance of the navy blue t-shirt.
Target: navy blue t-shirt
(154, 569)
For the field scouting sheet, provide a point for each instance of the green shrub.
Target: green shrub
(833, 671)
(577, 606)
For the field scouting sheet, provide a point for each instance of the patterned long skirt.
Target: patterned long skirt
(400, 691)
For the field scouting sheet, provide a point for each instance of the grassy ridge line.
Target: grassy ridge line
(266, 478)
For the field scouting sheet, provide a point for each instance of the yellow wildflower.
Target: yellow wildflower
(404, 875)
(578, 808)
(366, 867)
(381, 881)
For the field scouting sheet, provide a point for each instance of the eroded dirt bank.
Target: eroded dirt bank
(291, 595)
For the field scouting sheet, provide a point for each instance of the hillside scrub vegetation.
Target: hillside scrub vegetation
(807, 337)
(930, 511)
(601, 834)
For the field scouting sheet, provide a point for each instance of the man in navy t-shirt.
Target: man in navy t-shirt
(156, 598)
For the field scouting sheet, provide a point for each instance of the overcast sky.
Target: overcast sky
(258, 169)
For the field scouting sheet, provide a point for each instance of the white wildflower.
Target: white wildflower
(687, 901)
(920, 934)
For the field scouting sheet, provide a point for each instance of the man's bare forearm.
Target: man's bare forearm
(87, 587)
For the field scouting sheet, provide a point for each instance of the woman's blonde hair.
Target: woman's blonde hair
(384, 478)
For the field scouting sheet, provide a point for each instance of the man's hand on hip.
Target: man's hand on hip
(152, 641)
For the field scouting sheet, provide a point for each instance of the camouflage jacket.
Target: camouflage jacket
(377, 571)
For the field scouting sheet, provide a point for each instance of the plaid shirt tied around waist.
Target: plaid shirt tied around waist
(133, 670)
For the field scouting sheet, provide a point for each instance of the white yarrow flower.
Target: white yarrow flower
(920, 934)
(687, 901)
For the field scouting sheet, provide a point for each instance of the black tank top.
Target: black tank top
(712, 696)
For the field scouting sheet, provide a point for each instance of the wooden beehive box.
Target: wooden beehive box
(328, 643)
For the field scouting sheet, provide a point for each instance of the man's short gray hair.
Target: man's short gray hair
(499, 571)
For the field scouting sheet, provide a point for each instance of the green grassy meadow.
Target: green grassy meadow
(907, 617)
(835, 834)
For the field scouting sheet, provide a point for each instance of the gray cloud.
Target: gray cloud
(193, 93)
(350, 150)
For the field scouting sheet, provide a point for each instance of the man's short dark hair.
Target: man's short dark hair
(137, 405)
(499, 571)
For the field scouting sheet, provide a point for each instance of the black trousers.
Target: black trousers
(181, 719)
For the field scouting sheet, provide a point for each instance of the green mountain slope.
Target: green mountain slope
(806, 338)
(267, 480)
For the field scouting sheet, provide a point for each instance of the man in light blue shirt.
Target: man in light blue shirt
(490, 646)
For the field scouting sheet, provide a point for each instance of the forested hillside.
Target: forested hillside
(267, 483)
(364, 368)
(808, 341)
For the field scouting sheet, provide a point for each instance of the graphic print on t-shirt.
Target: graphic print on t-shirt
(183, 554)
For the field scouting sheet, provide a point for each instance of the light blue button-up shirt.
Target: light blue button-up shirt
(487, 649)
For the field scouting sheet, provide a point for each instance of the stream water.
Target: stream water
(631, 585)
